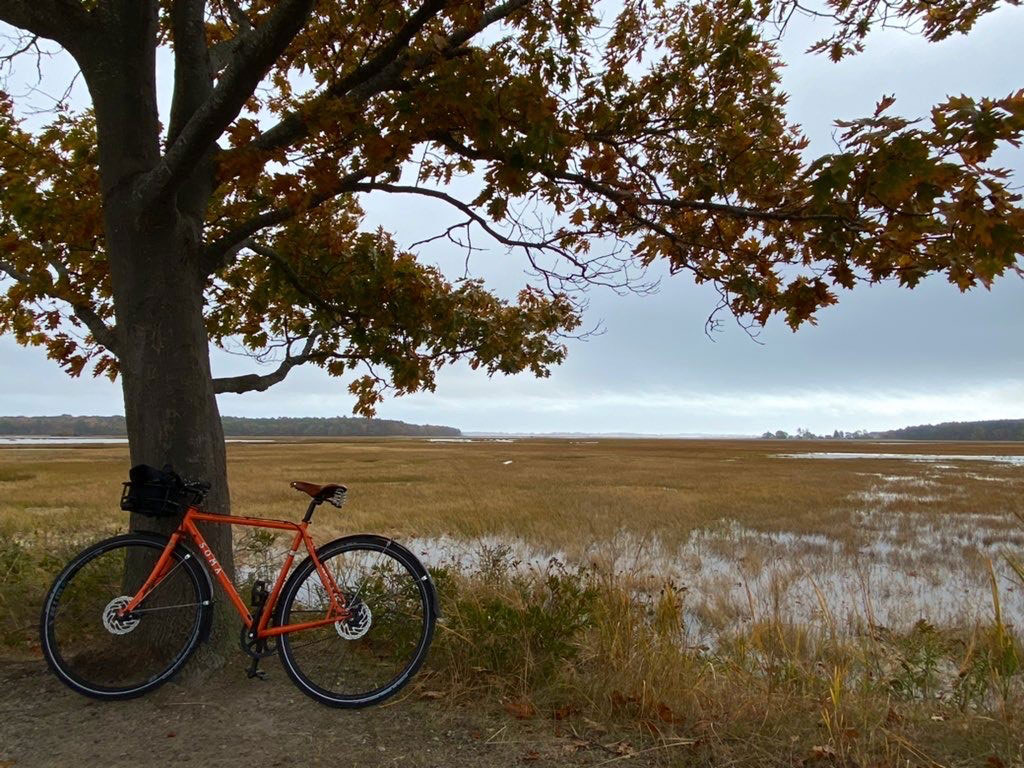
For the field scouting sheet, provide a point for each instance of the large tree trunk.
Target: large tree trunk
(158, 286)
(170, 407)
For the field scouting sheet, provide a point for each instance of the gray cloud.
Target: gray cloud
(884, 357)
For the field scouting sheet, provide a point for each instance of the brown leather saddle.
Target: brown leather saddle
(333, 493)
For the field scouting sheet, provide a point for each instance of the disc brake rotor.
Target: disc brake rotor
(112, 623)
(356, 625)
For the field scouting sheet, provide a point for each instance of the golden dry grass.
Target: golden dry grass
(748, 528)
(770, 610)
(555, 493)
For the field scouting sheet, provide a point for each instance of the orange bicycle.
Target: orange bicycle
(351, 624)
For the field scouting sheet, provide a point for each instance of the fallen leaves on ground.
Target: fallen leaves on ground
(520, 708)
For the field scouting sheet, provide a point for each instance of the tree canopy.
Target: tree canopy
(602, 138)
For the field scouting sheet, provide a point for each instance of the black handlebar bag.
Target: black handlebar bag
(154, 492)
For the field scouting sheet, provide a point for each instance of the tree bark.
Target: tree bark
(158, 286)
(170, 407)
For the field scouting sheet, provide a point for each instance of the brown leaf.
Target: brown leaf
(665, 714)
(531, 756)
(994, 761)
(566, 710)
(574, 746)
(620, 700)
(431, 695)
(621, 748)
(820, 752)
(519, 708)
(884, 104)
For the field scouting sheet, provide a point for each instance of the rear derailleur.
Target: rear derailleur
(256, 647)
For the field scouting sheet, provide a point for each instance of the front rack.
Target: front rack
(161, 499)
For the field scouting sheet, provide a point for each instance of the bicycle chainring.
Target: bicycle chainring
(256, 648)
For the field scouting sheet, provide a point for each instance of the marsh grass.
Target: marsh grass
(744, 608)
(571, 643)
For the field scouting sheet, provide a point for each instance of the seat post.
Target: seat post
(309, 511)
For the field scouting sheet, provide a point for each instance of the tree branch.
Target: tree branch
(296, 282)
(260, 383)
(364, 82)
(708, 206)
(620, 197)
(104, 334)
(100, 331)
(256, 54)
(387, 61)
(63, 21)
(221, 53)
(32, 43)
(216, 255)
(192, 80)
(455, 203)
(193, 84)
(380, 72)
(592, 271)
(11, 271)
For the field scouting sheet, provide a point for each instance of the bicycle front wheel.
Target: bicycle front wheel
(377, 650)
(98, 653)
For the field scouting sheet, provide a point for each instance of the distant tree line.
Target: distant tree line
(806, 434)
(1000, 429)
(339, 426)
(62, 426)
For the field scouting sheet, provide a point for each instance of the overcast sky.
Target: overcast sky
(884, 357)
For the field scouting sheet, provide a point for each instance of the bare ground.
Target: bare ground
(230, 721)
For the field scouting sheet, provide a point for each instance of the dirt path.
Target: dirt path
(231, 721)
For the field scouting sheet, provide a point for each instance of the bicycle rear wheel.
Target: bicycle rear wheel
(371, 655)
(98, 654)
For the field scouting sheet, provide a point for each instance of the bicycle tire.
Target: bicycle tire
(87, 648)
(413, 589)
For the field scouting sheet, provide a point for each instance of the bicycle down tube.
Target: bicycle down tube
(336, 611)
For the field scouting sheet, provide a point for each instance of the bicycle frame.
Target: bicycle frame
(188, 528)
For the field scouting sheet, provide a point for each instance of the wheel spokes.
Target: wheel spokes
(367, 652)
(102, 651)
